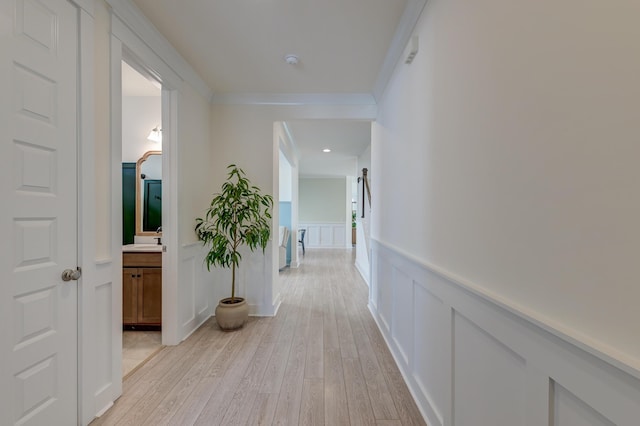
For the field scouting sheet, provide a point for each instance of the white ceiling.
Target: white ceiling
(346, 139)
(238, 46)
(345, 47)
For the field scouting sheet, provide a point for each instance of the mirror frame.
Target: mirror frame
(142, 159)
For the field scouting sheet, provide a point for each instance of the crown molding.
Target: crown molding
(293, 99)
(85, 5)
(138, 24)
(408, 21)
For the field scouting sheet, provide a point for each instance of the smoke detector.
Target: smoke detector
(291, 59)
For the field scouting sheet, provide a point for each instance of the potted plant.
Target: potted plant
(238, 215)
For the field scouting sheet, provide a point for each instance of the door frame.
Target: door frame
(87, 397)
(123, 47)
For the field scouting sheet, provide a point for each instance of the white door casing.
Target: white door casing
(39, 215)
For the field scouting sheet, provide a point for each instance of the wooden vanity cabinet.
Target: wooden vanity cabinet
(142, 289)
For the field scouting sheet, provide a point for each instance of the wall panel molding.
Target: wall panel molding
(195, 295)
(473, 357)
(325, 235)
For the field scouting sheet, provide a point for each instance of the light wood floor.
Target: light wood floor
(320, 361)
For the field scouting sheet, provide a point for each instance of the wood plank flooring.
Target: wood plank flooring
(320, 361)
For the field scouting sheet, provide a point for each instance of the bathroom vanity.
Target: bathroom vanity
(141, 286)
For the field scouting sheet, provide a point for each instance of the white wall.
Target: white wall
(195, 285)
(364, 160)
(322, 200)
(515, 133)
(285, 181)
(362, 261)
(140, 114)
(325, 211)
(244, 135)
(247, 142)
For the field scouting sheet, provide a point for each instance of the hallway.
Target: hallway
(321, 360)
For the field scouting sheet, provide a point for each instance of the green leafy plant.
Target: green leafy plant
(238, 215)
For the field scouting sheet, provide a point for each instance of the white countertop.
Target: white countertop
(142, 247)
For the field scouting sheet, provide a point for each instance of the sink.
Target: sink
(142, 247)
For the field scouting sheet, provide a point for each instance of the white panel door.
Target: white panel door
(38, 213)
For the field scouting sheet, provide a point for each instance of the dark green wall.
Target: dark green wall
(128, 202)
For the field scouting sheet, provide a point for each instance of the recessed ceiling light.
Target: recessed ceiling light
(326, 150)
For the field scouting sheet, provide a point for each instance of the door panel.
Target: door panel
(38, 219)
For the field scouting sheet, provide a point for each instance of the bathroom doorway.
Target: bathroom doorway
(141, 217)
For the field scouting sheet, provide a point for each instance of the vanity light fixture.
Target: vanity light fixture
(155, 135)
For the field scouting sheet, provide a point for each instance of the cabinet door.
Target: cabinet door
(129, 295)
(150, 296)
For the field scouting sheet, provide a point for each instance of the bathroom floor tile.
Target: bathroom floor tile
(137, 347)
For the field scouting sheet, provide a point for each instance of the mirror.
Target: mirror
(149, 193)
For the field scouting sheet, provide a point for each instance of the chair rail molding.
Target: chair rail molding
(470, 358)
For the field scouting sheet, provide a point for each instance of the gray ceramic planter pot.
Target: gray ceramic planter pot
(231, 316)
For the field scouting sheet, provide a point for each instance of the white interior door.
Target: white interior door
(38, 213)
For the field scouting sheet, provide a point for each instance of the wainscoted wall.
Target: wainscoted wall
(362, 254)
(325, 235)
(105, 342)
(194, 289)
(471, 360)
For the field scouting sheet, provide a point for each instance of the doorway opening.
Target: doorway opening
(286, 254)
(141, 217)
(329, 155)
